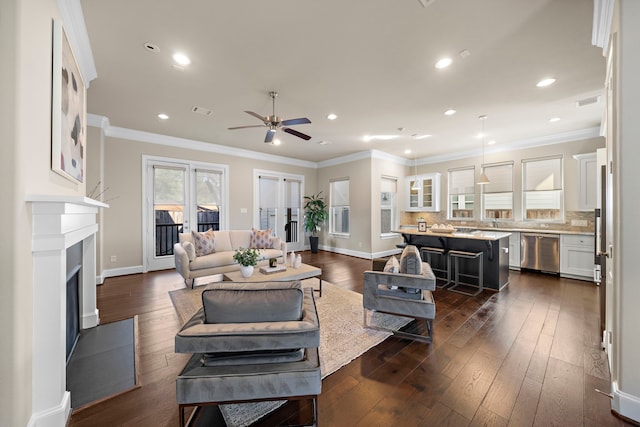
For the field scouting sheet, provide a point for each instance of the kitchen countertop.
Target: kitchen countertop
(404, 228)
(473, 235)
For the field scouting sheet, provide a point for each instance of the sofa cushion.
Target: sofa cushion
(223, 242)
(203, 242)
(410, 261)
(190, 250)
(260, 239)
(250, 306)
(216, 259)
(240, 239)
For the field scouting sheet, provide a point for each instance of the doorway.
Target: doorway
(179, 196)
(278, 205)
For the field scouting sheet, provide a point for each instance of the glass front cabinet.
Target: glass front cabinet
(423, 192)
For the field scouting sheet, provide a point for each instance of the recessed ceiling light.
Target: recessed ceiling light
(417, 136)
(443, 63)
(450, 112)
(181, 59)
(546, 82)
(481, 135)
(323, 142)
(151, 47)
(332, 116)
(163, 116)
(368, 138)
(407, 151)
(491, 142)
(276, 142)
(554, 119)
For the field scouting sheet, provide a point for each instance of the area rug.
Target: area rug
(342, 337)
(103, 363)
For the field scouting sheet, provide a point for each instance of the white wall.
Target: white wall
(625, 372)
(25, 135)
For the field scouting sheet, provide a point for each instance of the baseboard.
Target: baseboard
(357, 254)
(53, 417)
(91, 320)
(100, 279)
(114, 272)
(395, 251)
(625, 404)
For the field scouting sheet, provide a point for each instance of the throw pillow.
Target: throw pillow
(260, 239)
(410, 261)
(203, 242)
(190, 249)
(392, 265)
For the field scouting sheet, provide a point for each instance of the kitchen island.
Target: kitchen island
(493, 244)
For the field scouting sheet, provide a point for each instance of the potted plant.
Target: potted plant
(315, 214)
(247, 258)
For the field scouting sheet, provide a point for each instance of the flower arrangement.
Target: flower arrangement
(246, 257)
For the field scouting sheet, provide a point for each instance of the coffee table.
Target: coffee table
(305, 271)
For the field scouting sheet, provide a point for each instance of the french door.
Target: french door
(179, 197)
(278, 205)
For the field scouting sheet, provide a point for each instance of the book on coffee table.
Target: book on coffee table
(271, 270)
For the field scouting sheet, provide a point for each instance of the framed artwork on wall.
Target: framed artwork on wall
(68, 110)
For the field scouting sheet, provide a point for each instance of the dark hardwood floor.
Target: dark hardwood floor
(528, 355)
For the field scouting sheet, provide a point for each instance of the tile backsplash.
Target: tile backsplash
(578, 221)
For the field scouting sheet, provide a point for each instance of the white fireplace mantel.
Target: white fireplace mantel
(59, 222)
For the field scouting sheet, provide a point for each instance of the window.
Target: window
(542, 189)
(388, 191)
(461, 193)
(497, 195)
(339, 207)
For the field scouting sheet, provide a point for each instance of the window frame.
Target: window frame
(559, 192)
(484, 192)
(339, 209)
(392, 207)
(450, 195)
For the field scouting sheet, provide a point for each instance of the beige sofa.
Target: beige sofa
(191, 267)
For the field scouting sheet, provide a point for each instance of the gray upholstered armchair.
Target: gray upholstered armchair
(250, 342)
(404, 289)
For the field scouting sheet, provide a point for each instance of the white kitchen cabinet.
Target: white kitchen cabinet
(426, 195)
(576, 256)
(587, 181)
(514, 250)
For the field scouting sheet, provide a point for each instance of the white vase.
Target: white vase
(246, 270)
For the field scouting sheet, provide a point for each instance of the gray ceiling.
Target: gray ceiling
(370, 62)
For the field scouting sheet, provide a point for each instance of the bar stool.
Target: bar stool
(454, 263)
(427, 253)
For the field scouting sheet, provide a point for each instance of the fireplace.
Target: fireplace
(64, 231)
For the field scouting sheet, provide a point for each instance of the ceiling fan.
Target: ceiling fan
(274, 122)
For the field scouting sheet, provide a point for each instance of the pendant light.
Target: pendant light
(415, 186)
(483, 176)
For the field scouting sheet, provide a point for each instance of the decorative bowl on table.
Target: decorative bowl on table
(443, 228)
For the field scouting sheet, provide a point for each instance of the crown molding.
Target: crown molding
(76, 30)
(189, 144)
(102, 122)
(602, 21)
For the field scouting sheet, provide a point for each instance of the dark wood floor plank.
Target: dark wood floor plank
(479, 349)
(561, 398)
(524, 410)
(468, 389)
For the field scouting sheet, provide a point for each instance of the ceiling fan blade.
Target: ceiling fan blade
(300, 121)
(296, 133)
(269, 136)
(246, 127)
(257, 116)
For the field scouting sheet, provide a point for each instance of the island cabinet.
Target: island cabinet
(493, 245)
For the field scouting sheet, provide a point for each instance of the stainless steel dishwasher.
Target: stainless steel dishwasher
(540, 252)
